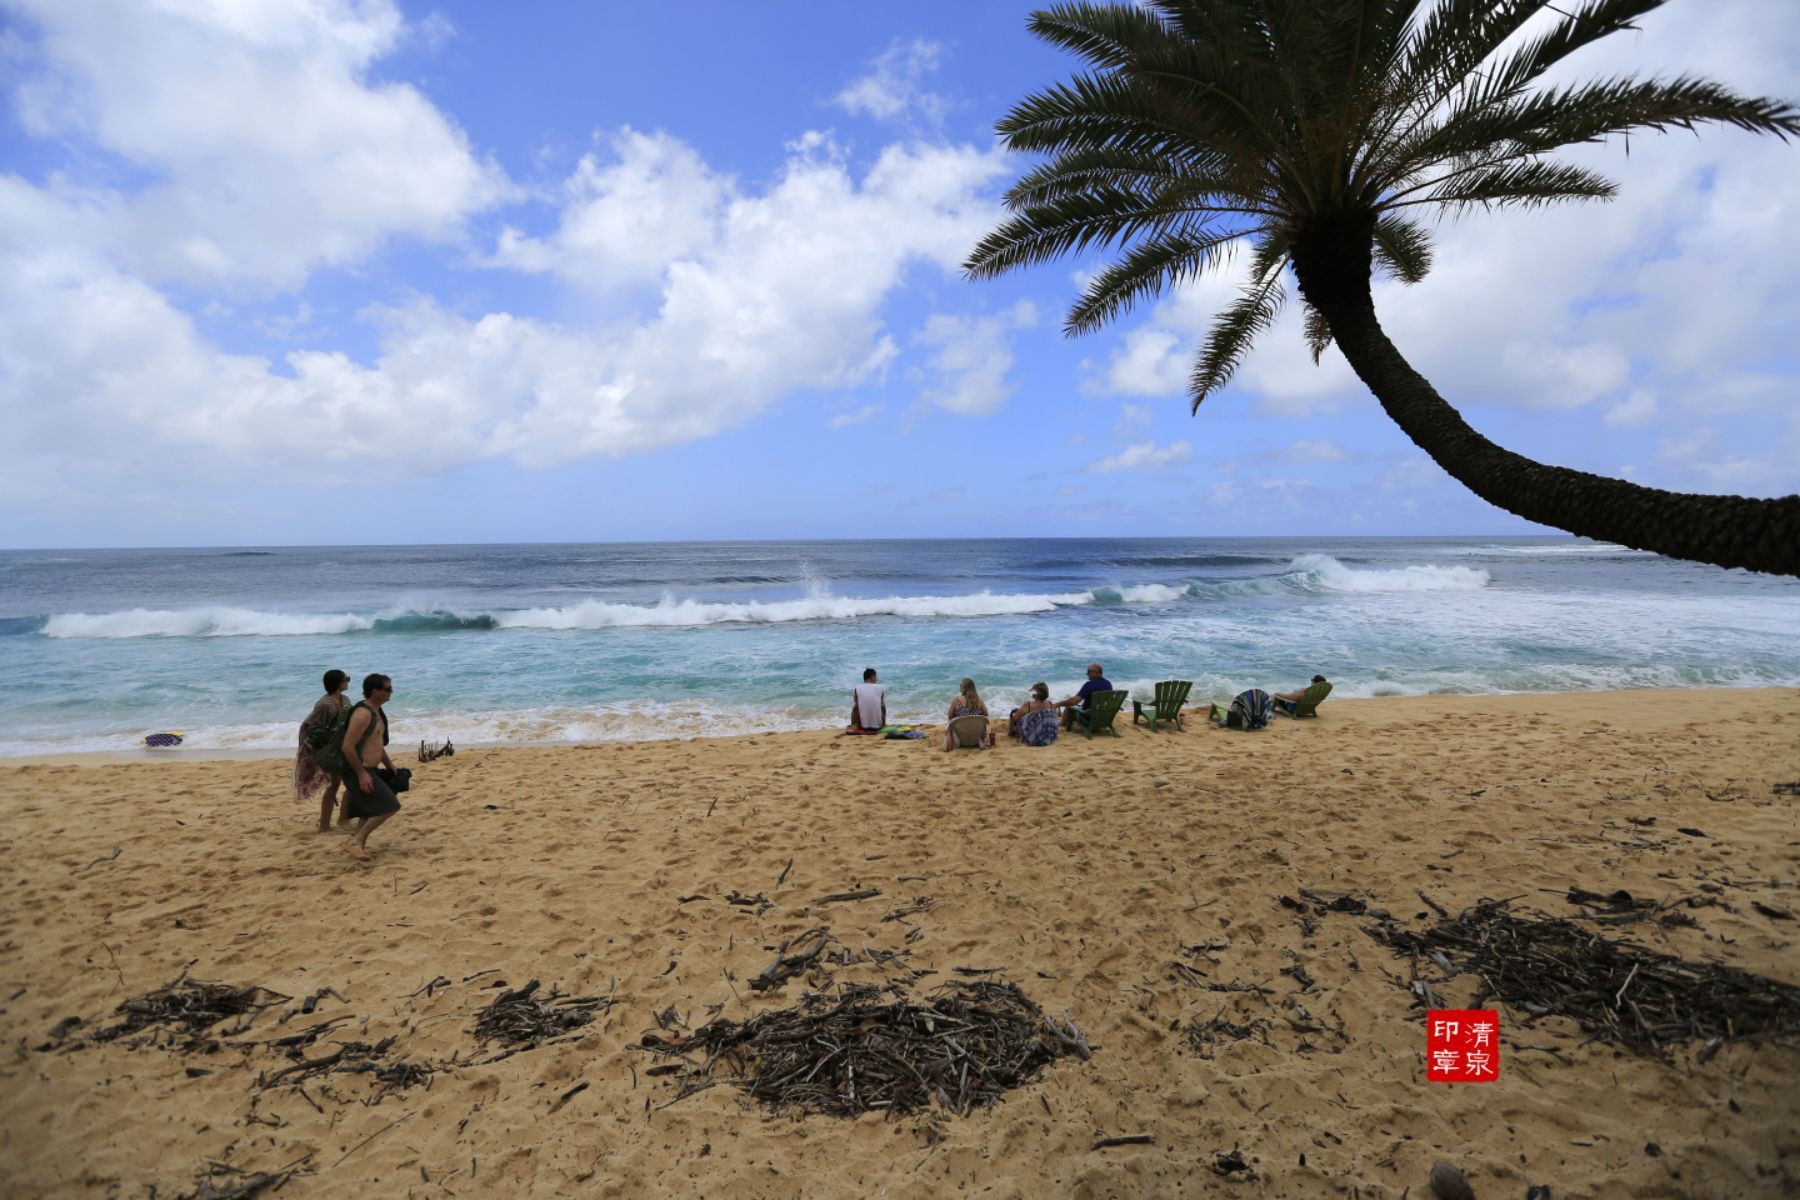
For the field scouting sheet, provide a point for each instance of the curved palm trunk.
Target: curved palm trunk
(1333, 267)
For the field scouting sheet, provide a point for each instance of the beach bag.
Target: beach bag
(398, 779)
(330, 753)
(330, 734)
(1250, 710)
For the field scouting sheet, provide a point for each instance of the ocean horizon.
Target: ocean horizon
(571, 642)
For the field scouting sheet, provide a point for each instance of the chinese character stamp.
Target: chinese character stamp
(1462, 1045)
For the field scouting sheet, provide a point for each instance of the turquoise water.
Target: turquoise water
(569, 643)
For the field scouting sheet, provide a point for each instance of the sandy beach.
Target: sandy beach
(1112, 880)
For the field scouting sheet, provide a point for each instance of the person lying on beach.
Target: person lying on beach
(1034, 722)
(1096, 682)
(309, 777)
(967, 704)
(367, 796)
(868, 705)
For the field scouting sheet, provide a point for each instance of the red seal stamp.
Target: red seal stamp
(1462, 1045)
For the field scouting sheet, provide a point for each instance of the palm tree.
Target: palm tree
(1316, 132)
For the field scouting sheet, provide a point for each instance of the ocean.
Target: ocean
(558, 644)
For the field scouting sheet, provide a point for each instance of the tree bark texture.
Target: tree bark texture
(1332, 263)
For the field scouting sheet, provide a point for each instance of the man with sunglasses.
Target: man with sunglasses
(367, 795)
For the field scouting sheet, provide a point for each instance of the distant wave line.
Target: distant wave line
(1308, 573)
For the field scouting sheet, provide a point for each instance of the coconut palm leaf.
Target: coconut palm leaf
(1234, 330)
(1313, 129)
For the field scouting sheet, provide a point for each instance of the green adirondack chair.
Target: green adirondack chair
(1171, 694)
(1308, 703)
(1102, 708)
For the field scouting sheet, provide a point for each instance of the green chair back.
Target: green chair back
(1171, 694)
(1308, 704)
(1102, 708)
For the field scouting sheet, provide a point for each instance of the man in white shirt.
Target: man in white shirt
(868, 705)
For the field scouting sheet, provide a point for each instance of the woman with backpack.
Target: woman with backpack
(327, 716)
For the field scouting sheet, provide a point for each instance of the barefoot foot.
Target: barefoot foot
(357, 852)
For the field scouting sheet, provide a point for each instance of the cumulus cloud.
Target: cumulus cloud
(627, 216)
(770, 292)
(265, 150)
(1143, 456)
(893, 86)
(970, 358)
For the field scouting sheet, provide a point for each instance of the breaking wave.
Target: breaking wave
(1309, 573)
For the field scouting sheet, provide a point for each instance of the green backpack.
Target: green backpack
(327, 741)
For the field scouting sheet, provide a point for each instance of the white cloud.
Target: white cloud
(1414, 474)
(967, 373)
(1143, 456)
(777, 292)
(892, 87)
(268, 153)
(1700, 457)
(629, 220)
(1131, 417)
(1639, 408)
(861, 416)
(1313, 450)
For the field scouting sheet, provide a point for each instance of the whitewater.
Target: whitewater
(557, 644)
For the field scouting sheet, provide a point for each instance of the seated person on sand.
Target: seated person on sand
(1288, 701)
(1035, 721)
(1096, 682)
(868, 705)
(967, 704)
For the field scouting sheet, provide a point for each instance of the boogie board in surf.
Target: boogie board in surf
(164, 740)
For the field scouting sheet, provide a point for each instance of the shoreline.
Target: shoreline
(1446, 702)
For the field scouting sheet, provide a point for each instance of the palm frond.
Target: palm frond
(1082, 171)
(1402, 248)
(1106, 35)
(1588, 24)
(1106, 112)
(1318, 334)
(1243, 320)
(1536, 124)
(1150, 268)
(1100, 217)
(1528, 184)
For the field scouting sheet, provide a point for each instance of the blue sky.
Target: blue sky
(313, 271)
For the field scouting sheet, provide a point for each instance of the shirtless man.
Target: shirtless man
(368, 796)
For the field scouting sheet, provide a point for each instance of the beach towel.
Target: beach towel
(1038, 728)
(901, 731)
(1249, 710)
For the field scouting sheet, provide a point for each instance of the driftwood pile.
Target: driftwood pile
(522, 1020)
(189, 1007)
(1619, 993)
(867, 1049)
